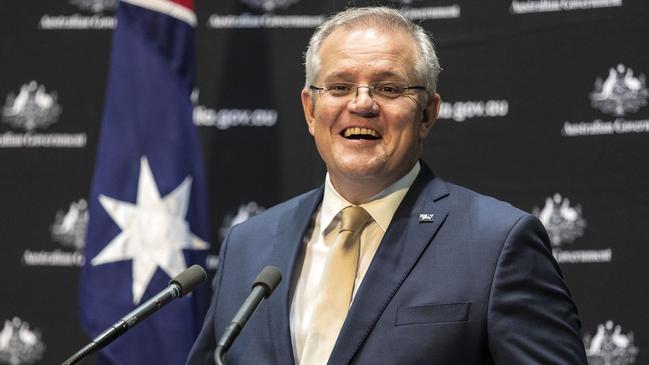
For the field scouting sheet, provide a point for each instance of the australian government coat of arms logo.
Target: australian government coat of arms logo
(610, 346)
(96, 6)
(565, 225)
(547, 6)
(69, 227)
(268, 17)
(621, 93)
(30, 110)
(19, 344)
(69, 230)
(414, 10)
(33, 107)
(95, 14)
(269, 5)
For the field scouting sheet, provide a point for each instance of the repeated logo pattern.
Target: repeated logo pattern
(19, 344)
(610, 346)
(621, 92)
(563, 222)
(269, 5)
(95, 6)
(69, 227)
(95, 14)
(33, 107)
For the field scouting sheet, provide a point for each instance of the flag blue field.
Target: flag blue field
(148, 203)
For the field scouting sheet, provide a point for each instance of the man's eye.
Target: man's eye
(388, 89)
(339, 88)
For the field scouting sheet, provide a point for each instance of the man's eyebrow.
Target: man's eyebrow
(338, 76)
(388, 75)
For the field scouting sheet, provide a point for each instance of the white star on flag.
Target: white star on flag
(154, 231)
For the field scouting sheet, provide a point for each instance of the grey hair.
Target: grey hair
(427, 66)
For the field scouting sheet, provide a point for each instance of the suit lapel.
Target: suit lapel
(405, 240)
(287, 251)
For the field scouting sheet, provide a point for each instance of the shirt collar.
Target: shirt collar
(381, 207)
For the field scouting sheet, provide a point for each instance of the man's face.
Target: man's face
(364, 56)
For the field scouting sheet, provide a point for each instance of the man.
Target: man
(439, 274)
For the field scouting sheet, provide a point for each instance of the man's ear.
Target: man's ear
(308, 106)
(429, 115)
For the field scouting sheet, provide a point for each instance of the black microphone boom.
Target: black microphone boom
(262, 288)
(179, 286)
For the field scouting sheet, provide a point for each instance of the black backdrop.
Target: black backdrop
(544, 106)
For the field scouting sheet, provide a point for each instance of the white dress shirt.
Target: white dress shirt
(322, 235)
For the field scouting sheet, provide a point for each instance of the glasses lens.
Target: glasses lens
(389, 90)
(340, 89)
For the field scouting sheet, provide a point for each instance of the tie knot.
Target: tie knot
(354, 219)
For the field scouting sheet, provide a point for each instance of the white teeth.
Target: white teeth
(359, 132)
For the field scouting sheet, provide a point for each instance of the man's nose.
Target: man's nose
(363, 103)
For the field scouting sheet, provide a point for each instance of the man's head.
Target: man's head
(370, 98)
(427, 66)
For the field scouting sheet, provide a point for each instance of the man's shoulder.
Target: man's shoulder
(459, 199)
(477, 205)
(486, 218)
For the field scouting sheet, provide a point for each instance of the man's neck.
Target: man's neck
(361, 191)
(356, 193)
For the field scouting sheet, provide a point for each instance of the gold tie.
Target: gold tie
(336, 288)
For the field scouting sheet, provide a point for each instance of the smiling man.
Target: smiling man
(367, 118)
(386, 263)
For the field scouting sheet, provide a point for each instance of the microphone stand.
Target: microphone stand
(219, 355)
(118, 328)
(262, 288)
(179, 286)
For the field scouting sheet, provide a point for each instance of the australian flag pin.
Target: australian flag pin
(426, 217)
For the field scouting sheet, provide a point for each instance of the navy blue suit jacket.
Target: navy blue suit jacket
(477, 284)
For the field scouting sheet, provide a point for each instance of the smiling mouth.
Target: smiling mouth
(360, 133)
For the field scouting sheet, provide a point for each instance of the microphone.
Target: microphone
(262, 288)
(179, 286)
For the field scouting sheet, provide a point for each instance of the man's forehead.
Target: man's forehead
(358, 35)
(383, 55)
(341, 74)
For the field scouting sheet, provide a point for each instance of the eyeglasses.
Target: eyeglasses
(381, 89)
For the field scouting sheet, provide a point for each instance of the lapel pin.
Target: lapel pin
(426, 217)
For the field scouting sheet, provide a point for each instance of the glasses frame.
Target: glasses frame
(371, 88)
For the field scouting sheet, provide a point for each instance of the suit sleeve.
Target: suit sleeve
(531, 316)
(202, 352)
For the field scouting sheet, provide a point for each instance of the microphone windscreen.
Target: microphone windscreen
(189, 279)
(269, 277)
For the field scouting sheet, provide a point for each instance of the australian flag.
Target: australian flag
(148, 203)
